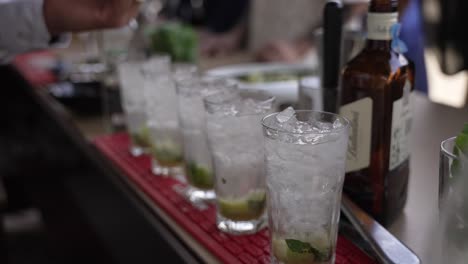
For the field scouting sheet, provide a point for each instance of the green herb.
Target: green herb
(461, 144)
(257, 202)
(300, 247)
(199, 176)
(142, 137)
(167, 155)
(462, 140)
(179, 41)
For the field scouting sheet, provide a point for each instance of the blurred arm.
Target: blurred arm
(23, 28)
(30, 24)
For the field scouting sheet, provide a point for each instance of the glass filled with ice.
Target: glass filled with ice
(305, 153)
(161, 110)
(198, 164)
(236, 143)
(133, 103)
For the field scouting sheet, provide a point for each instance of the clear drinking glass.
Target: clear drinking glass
(305, 153)
(133, 102)
(453, 204)
(161, 109)
(198, 164)
(235, 140)
(448, 165)
(183, 71)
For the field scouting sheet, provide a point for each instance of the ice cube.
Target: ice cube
(249, 105)
(321, 127)
(337, 124)
(302, 127)
(285, 115)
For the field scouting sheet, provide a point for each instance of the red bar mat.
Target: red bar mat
(201, 224)
(32, 66)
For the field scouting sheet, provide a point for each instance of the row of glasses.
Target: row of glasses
(250, 161)
(198, 163)
(149, 100)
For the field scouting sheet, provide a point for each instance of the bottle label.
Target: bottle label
(401, 126)
(379, 24)
(359, 113)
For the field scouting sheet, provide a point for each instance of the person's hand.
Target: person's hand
(82, 15)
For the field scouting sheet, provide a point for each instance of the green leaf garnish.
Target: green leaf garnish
(298, 246)
(461, 145)
(199, 176)
(465, 129)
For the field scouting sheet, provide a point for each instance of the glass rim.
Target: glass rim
(233, 93)
(445, 151)
(345, 122)
(131, 62)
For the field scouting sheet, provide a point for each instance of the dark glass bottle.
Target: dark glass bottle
(375, 97)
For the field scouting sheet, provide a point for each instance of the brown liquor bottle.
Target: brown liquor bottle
(375, 97)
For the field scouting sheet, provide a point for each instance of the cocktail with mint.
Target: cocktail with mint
(133, 102)
(161, 110)
(305, 165)
(198, 166)
(236, 143)
(451, 166)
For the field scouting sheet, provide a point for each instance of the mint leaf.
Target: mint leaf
(322, 255)
(465, 129)
(298, 246)
(461, 145)
(461, 142)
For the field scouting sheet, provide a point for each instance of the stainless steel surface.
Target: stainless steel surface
(432, 124)
(388, 249)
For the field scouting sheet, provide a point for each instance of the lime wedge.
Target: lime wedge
(199, 176)
(167, 153)
(243, 209)
(299, 252)
(142, 137)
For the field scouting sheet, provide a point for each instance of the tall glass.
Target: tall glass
(198, 163)
(161, 109)
(305, 154)
(133, 102)
(453, 203)
(235, 140)
(448, 165)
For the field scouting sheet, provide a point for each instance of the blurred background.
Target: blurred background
(214, 34)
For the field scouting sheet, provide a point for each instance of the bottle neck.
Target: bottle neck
(378, 29)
